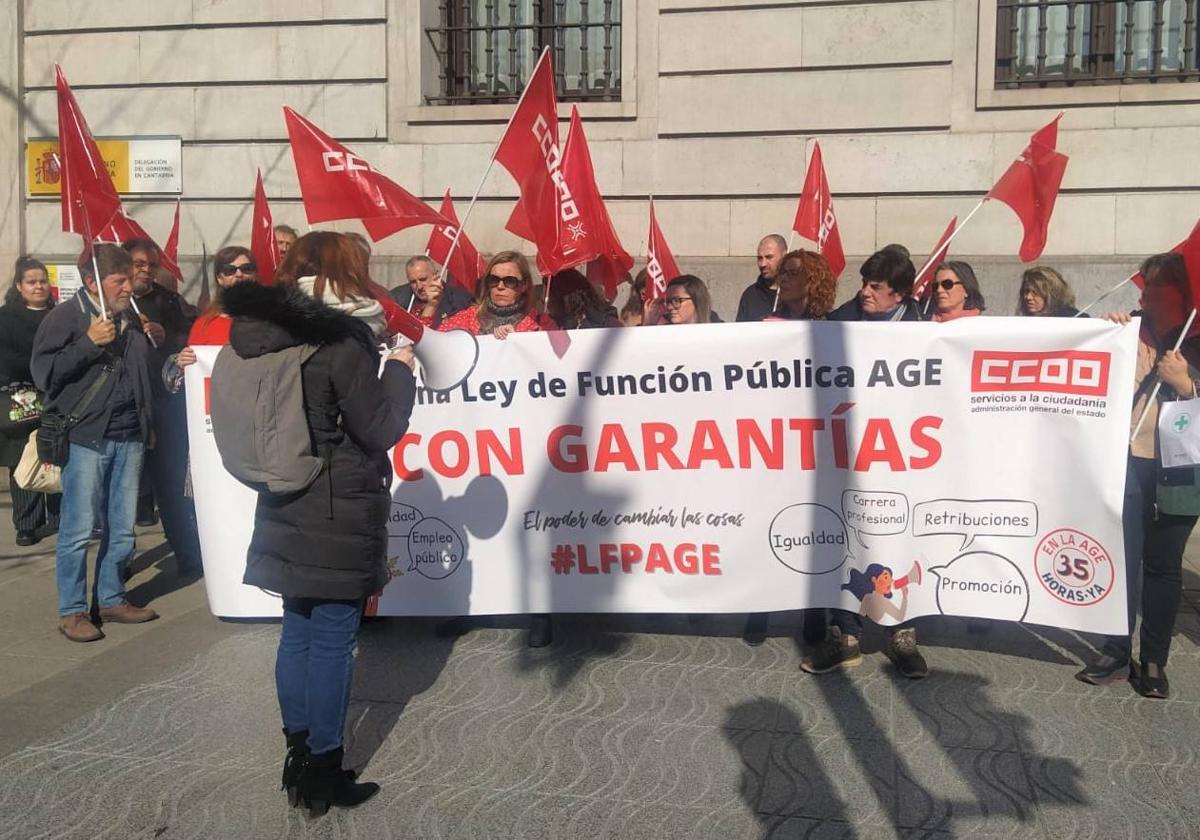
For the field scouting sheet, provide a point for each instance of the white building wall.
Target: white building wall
(722, 105)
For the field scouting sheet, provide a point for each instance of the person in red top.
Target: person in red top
(504, 306)
(505, 303)
(956, 292)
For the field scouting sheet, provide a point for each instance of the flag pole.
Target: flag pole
(946, 245)
(137, 310)
(99, 284)
(1158, 385)
(87, 224)
(491, 162)
(1083, 311)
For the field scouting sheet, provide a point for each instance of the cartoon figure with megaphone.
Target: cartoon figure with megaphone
(875, 587)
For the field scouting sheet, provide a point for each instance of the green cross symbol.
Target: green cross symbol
(1182, 422)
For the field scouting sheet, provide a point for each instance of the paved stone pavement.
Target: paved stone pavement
(627, 727)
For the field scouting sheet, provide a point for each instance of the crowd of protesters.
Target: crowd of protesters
(110, 360)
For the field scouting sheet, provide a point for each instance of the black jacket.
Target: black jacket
(454, 299)
(18, 325)
(757, 301)
(329, 540)
(852, 310)
(175, 315)
(65, 363)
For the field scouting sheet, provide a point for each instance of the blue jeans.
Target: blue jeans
(98, 486)
(314, 666)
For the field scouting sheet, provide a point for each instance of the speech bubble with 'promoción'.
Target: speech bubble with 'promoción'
(982, 584)
(876, 513)
(971, 518)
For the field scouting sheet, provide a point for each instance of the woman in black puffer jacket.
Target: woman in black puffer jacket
(26, 303)
(323, 548)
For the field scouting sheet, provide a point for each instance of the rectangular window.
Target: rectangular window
(486, 49)
(1043, 43)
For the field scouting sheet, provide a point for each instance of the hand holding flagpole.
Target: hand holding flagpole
(1158, 385)
(137, 311)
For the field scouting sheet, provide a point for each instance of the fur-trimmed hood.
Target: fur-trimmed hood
(267, 319)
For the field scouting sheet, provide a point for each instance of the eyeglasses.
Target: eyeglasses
(675, 302)
(144, 264)
(230, 270)
(493, 281)
(949, 284)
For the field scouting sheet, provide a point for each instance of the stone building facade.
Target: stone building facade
(718, 109)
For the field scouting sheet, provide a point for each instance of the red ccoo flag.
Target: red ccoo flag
(335, 183)
(1030, 187)
(466, 266)
(660, 263)
(815, 218)
(936, 257)
(529, 151)
(170, 251)
(262, 236)
(89, 199)
(597, 236)
(592, 235)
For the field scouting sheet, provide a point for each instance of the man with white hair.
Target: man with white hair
(427, 298)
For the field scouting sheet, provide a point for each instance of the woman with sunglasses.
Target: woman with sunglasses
(1161, 505)
(956, 292)
(505, 302)
(232, 264)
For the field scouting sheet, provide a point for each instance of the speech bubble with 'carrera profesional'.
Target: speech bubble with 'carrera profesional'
(875, 513)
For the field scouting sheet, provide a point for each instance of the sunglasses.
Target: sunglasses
(675, 302)
(230, 270)
(949, 284)
(493, 281)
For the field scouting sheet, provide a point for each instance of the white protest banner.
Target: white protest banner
(751, 467)
(1179, 433)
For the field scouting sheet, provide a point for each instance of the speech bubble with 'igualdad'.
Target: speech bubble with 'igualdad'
(809, 538)
(972, 518)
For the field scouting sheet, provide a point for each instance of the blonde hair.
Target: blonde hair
(516, 258)
(1050, 285)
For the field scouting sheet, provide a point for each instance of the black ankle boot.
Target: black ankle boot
(323, 782)
(1105, 670)
(1150, 680)
(293, 764)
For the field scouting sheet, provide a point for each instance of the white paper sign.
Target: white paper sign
(1179, 433)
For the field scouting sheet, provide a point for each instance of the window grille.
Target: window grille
(1066, 42)
(486, 49)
